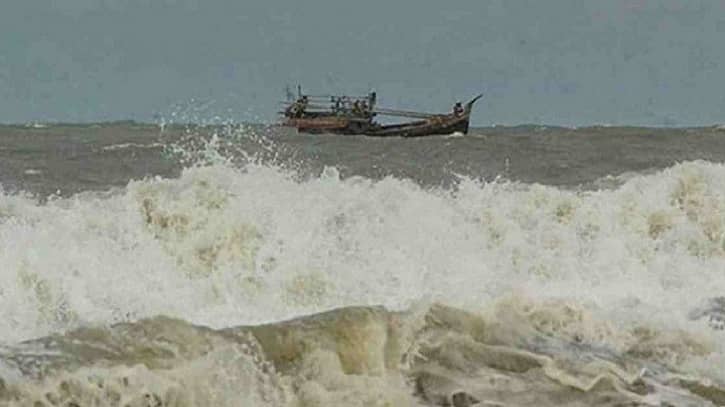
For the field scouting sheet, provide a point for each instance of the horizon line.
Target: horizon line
(42, 124)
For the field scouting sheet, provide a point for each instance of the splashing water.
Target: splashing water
(230, 243)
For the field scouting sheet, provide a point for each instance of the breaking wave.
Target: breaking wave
(499, 285)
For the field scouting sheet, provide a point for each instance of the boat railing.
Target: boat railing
(360, 107)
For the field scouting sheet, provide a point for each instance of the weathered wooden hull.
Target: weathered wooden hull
(319, 125)
(431, 127)
(342, 125)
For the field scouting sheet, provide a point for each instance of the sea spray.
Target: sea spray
(243, 245)
(614, 273)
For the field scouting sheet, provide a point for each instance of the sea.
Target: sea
(226, 264)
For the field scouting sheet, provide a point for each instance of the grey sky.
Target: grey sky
(556, 62)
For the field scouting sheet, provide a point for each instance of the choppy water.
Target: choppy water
(247, 266)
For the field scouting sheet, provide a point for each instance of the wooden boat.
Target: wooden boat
(354, 116)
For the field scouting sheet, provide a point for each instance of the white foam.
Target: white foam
(221, 246)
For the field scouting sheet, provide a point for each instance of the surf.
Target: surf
(609, 272)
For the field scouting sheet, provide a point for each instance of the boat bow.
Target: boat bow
(469, 105)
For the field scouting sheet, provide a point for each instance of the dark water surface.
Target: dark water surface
(72, 158)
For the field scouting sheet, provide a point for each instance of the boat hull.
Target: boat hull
(431, 127)
(342, 125)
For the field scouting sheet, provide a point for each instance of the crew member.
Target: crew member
(300, 106)
(458, 109)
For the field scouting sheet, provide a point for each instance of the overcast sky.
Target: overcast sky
(553, 62)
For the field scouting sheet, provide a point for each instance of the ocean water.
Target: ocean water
(247, 266)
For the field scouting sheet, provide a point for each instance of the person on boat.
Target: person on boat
(293, 110)
(299, 107)
(458, 109)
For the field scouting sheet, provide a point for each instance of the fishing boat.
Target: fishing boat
(355, 115)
